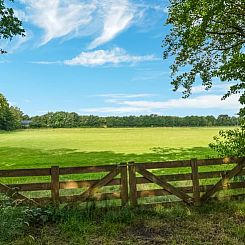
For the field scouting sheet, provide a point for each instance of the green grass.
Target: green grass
(75, 147)
(213, 223)
(78, 147)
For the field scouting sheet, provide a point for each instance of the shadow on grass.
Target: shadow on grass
(15, 157)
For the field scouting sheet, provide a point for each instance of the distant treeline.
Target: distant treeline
(12, 118)
(73, 120)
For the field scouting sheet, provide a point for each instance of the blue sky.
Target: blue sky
(98, 57)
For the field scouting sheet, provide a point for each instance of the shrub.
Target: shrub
(230, 142)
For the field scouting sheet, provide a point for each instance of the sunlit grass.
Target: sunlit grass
(76, 147)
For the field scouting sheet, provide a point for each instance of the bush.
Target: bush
(13, 223)
(230, 142)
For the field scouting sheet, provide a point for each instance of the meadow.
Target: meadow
(40, 148)
(213, 223)
(93, 146)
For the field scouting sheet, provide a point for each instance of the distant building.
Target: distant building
(26, 123)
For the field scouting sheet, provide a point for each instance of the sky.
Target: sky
(98, 57)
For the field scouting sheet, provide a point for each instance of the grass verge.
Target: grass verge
(213, 223)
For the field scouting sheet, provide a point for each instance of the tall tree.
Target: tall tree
(10, 25)
(10, 117)
(207, 39)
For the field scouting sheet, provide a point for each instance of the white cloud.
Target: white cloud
(116, 98)
(102, 57)
(152, 74)
(58, 18)
(20, 14)
(117, 17)
(199, 102)
(61, 18)
(231, 105)
(113, 110)
(102, 20)
(222, 87)
(46, 62)
(125, 96)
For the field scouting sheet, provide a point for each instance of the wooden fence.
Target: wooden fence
(190, 181)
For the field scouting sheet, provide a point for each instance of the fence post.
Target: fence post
(132, 183)
(195, 182)
(124, 183)
(55, 185)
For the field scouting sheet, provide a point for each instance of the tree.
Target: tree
(207, 39)
(17, 116)
(230, 142)
(10, 117)
(3, 108)
(10, 25)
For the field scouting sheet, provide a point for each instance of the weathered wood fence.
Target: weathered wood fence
(190, 181)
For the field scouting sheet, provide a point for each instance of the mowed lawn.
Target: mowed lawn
(89, 146)
(213, 223)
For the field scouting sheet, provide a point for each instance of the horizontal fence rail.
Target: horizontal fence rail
(190, 181)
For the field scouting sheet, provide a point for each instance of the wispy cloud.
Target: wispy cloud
(125, 96)
(58, 18)
(118, 15)
(147, 107)
(150, 74)
(102, 20)
(114, 110)
(103, 57)
(46, 62)
(198, 102)
(216, 88)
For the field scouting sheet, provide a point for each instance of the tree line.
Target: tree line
(12, 118)
(72, 120)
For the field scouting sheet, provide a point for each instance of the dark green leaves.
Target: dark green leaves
(10, 26)
(230, 142)
(207, 39)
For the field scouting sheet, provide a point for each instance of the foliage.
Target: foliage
(230, 142)
(207, 39)
(214, 223)
(10, 25)
(16, 219)
(73, 120)
(10, 117)
(56, 120)
(13, 222)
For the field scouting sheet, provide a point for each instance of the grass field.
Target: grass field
(87, 146)
(213, 223)
(73, 147)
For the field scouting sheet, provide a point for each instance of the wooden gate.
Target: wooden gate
(185, 180)
(93, 188)
(160, 181)
(190, 181)
(224, 181)
(13, 194)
